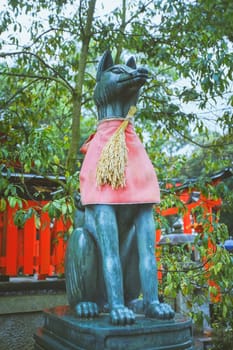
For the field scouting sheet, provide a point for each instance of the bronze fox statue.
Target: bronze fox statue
(110, 257)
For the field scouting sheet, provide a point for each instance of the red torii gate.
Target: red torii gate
(32, 250)
(192, 197)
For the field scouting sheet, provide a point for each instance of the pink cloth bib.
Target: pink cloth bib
(141, 180)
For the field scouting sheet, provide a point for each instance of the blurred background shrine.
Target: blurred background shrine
(37, 247)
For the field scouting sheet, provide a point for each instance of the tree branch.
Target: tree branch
(18, 92)
(41, 61)
(36, 77)
(209, 145)
(142, 9)
(41, 35)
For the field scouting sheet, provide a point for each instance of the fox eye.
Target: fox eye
(117, 70)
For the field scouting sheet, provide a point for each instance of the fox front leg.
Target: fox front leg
(145, 230)
(108, 242)
(81, 274)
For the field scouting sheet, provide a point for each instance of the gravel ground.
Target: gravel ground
(16, 331)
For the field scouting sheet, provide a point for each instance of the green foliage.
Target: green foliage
(47, 111)
(61, 206)
(181, 274)
(223, 327)
(40, 77)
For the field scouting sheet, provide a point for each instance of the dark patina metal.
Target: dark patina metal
(110, 259)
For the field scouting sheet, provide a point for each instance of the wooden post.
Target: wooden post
(11, 243)
(187, 222)
(45, 245)
(59, 245)
(29, 241)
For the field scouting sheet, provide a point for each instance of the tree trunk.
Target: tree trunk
(77, 95)
(122, 30)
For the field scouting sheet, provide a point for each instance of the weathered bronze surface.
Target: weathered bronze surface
(111, 275)
(110, 260)
(63, 331)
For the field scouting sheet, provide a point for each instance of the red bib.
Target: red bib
(141, 180)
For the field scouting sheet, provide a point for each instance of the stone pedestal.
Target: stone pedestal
(62, 330)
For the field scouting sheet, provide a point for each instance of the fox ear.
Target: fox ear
(131, 63)
(105, 62)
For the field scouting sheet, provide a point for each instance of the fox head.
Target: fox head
(117, 86)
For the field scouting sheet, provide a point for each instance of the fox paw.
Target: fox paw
(87, 310)
(159, 310)
(121, 315)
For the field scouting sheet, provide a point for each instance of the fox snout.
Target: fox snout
(143, 71)
(141, 75)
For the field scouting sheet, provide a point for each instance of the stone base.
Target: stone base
(63, 330)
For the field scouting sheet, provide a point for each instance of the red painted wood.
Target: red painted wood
(169, 211)
(158, 233)
(20, 250)
(29, 240)
(1, 231)
(2, 242)
(45, 244)
(59, 245)
(11, 243)
(2, 264)
(187, 222)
